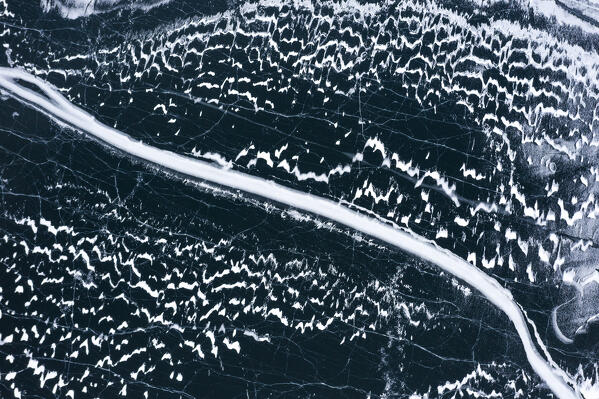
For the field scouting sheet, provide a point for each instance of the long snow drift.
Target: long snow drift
(52, 103)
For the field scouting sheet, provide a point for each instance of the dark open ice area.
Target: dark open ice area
(332, 199)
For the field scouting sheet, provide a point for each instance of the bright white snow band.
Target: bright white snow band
(57, 107)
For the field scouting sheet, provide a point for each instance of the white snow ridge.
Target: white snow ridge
(58, 108)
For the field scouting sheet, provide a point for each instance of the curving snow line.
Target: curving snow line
(58, 108)
(558, 332)
(74, 9)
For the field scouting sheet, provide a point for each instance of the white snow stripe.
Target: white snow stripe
(59, 109)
